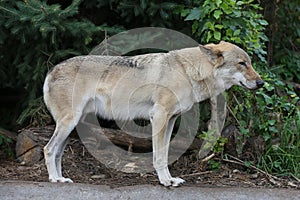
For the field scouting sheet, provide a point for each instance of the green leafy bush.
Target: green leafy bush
(234, 21)
(272, 112)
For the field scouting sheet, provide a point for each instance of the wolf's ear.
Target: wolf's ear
(213, 54)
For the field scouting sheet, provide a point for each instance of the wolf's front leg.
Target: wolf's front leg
(162, 127)
(216, 124)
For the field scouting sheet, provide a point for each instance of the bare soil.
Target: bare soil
(81, 167)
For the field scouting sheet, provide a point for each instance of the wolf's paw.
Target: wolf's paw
(175, 182)
(60, 180)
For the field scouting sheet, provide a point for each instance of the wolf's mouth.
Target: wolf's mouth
(244, 86)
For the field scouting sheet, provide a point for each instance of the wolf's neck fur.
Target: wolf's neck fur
(200, 72)
(206, 89)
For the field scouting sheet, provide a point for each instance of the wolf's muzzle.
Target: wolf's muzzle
(259, 83)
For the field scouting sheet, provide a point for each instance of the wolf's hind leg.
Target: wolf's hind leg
(58, 157)
(54, 149)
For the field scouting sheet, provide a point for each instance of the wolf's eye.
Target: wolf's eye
(243, 64)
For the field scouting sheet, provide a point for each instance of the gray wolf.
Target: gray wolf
(156, 86)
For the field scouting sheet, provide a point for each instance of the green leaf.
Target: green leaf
(237, 32)
(273, 129)
(268, 99)
(209, 25)
(194, 15)
(237, 13)
(217, 35)
(239, 3)
(226, 9)
(257, 45)
(184, 12)
(266, 137)
(218, 2)
(229, 32)
(271, 122)
(219, 26)
(269, 87)
(209, 36)
(218, 13)
(262, 126)
(194, 27)
(263, 22)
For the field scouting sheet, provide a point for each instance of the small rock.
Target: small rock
(254, 176)
(290, 183)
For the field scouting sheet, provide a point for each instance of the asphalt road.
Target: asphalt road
(56, 191)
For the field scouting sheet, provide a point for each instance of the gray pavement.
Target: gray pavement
(55, 191)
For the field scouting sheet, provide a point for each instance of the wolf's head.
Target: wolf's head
(232, 65)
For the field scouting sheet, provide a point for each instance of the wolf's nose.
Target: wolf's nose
(259, 83)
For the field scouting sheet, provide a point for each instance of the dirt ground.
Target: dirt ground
(81, 167)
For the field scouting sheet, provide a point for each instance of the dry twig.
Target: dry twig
(208, 158)
(196, 174)
(297, 179)
(271, 178)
